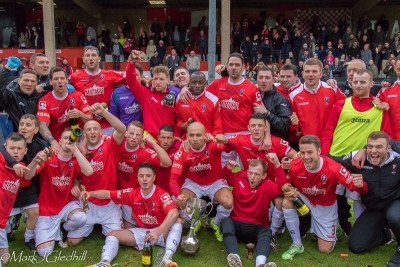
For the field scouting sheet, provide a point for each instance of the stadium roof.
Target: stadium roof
(193, 4)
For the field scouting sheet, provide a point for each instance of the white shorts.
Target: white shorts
(48, 227)
(108, 131)
(140, 234)
(342, 190)
(127, 214)
(323, 220)
(109, 216)
(16, 211)
(205, 190)
(225, 156)
(3, 239)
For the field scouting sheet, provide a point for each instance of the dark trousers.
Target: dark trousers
(235, 231)
(369, 230)
(116, 60)
(344, 213)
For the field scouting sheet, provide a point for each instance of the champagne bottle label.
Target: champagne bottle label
(146, 260)
(303, 210)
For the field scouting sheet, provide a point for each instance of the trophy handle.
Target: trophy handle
(209, 204)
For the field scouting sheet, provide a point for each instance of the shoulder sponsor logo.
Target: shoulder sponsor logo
(247, 148)
(178, 154)
(343, 171)
(222, 89)
(304, 103)
(301, 177)
(176, 165)
(392, 96)
(283, 142)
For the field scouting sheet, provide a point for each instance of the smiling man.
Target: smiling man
(382, 201)
(313, 101)
(314, 178)
(56, 108)
(249, 220)
(203, 107)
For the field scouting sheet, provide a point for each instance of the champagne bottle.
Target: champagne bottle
(76, 130)
(147, 253)
(301, 207)
(73, 122)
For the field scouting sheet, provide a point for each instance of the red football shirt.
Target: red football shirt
(128, 163)
(163, 174)
(155, 114)
(9, 187)
(148, 211)
(319, 186)
(56, 180)
(314, 106)
(391, 95)
(249, 205)
(285, 92)
(204, 108)
(97, 88)
(202, 167)
(53, 110)
(247, 150)
(237, 101)
(103, 158)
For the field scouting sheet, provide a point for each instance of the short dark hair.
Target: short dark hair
(257, 116)
(181, 68)
(166, 128)
(290, 67)
(310, 140)
(16, 137)
(27, 71)
(238, 55)
(91, 47)
(264, 68)
(137, 124)
(258, 162)
(377, 135)
(57, 69)
(148, 166)
(31, 117)
(34, 56)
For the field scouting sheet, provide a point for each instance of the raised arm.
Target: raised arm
(119, 127)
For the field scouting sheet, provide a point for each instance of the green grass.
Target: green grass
(211, 254)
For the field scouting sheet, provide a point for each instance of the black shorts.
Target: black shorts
(28, 195)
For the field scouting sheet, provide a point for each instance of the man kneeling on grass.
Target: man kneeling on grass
(314, 178)
(152, 209)
(249, 220)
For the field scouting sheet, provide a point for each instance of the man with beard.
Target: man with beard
(95, 84)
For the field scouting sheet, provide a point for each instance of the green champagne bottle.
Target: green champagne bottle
(147, 253)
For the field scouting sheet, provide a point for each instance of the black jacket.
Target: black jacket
(348, 91)
(383, 181)
(279, 116)
(16, 103)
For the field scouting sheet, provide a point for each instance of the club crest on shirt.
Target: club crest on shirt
(242, 91)
(153, 205)
(206, 153)
(101, 76)
(134, 156)
(203, 107)
(326, 99)
(100, 150)
(324, 178)
(72, 101)
(71, 164)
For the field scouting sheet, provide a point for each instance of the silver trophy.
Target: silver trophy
(196, 209)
